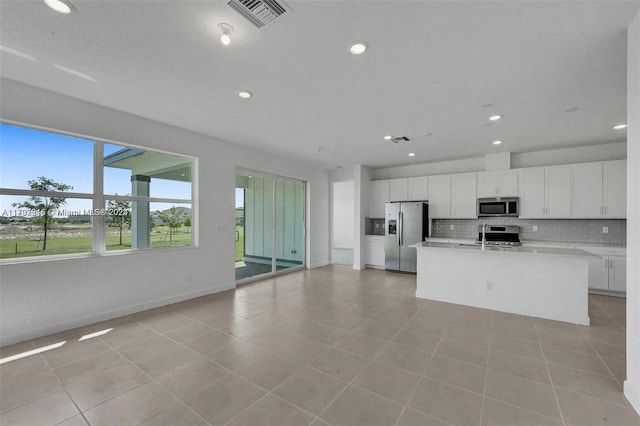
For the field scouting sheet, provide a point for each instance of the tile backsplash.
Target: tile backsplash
(558, 230)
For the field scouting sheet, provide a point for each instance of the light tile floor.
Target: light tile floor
(330, 346)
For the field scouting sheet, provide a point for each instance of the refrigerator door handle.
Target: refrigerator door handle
(399, 228)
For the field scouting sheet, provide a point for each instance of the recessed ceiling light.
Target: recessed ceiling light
(358, 48)
(388, 138)
(61, 6)
(495, 117)
(620, 126)
(412, 154)
(245, 94)
(497, 142)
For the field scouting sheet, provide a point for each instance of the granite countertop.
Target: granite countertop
(555, 251)
(565, 244)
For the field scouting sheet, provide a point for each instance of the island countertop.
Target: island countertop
(528, 250)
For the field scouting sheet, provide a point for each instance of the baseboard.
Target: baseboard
(632, 394)
(107, 315)
(318, 265)
(358, 267)
(522, 310)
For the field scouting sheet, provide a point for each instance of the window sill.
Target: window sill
(56, 257)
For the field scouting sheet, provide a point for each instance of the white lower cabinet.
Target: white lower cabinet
(608, 273)
(374, 251)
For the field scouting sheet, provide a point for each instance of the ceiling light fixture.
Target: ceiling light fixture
(412, 154)
(620, 126)
(61, 6)
(388, 138)
(225, 37)
(245, 94)
(497, 142)
(495, 117)
(358, 48)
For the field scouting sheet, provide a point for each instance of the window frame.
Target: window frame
(99, 199)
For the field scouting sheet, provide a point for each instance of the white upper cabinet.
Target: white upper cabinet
(531, 189)
(398, 189)
(599, 190)
(440, 196)
(378, 196)
(463, 196)
(557, 185)
(614, 194)
(497, 183)
(418, 188)
(587, 190)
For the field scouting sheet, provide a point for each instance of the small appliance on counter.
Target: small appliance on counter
(500, 206)
(406, 223)
(499, 235)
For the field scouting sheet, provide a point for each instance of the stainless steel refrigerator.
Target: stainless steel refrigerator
(405, 223)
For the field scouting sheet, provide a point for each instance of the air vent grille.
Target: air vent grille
(400, 139)
(258, 12)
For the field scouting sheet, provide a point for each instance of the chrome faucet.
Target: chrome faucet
(484, 235)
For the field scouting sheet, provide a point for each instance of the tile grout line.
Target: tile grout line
(486, 370)
(424, 370)
(600, 357)
(367, 365)
(546, 364)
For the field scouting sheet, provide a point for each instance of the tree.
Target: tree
(44, 205)
(119, 214)
(187, 222)
(171, 218)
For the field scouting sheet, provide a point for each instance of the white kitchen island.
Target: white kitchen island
(544, 282)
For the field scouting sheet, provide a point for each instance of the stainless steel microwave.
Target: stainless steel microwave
(501, 206)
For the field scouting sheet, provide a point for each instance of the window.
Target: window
(48, 204)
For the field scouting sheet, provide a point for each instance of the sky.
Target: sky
(26, 154)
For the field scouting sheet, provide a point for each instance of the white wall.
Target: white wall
(581, 154)
(632, 384)
(343, 214)
(48, 296)
(361, 179)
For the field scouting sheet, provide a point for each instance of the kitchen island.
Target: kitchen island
(544, 282)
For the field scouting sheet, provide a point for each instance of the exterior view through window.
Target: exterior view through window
(269, 224)
(48, 204)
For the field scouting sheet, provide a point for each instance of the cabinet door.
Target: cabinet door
(557, 185)
(487, 184)
(599, 273)
(374, 251)
(618, 273)
(418, 188)
(463, 196)
(587, 191)
(440, 196)
(531, 185)
(615, 189)
(398, 190)
(508, 183)
(379, 195)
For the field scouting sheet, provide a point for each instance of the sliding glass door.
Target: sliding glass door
(269, 224)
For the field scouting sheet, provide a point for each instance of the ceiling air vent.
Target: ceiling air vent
(258, 12)
(399, 139)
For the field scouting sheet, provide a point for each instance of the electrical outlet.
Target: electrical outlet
(451, 227)
(488, 285)
(605, 229)
(535, 228)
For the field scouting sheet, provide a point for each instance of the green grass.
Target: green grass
(239, 243)
(83, 244)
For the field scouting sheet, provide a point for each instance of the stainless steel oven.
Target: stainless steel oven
(501, 206)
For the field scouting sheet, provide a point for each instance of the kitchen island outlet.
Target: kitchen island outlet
(544, 282)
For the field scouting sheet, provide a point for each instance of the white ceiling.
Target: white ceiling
(430, 68)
